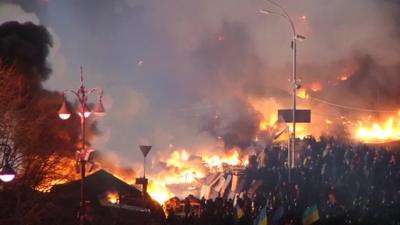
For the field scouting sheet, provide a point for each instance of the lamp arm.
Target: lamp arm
(64, 93)
(285, 15)
(98, 91)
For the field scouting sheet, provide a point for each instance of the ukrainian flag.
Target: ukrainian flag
(262, 218)
(311, 215)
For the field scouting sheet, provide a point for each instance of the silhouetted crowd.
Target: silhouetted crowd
(347, 183)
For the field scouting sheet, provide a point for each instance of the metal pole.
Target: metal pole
(83, 163)
(83, 153)
(144, 167)
(291, 144)
(294, 101)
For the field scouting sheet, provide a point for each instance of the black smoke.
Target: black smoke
(227, 62)
(235, 121)
(27, 46)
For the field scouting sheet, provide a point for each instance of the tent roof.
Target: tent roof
(96, 184)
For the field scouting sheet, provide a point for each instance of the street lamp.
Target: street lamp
(7, 173)
(82, 95)
(295, 85)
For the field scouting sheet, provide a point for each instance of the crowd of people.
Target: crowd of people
(344, 183)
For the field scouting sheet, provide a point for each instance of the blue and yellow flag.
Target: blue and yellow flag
(262, 217)
(311, 215)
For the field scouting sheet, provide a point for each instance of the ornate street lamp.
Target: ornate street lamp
(84, 112)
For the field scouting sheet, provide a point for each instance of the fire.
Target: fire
(302, 93)
(347, 71)
(232, 159)
(387, 130)
(301, 130)
(113, 197)
(63, 172)
(316, 86)
(186, 170)
(328, 122)
(159, 191)
(263, 125)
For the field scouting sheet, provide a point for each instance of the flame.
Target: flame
(186, 170)
(316, 86)
(347, 71)
(263, 125)
(386, 130)
(63, 172)
(343, 77)
(302, 93)
(159, 191)
(328, 122)
(231, 158)
(301, 130)
(113, 197)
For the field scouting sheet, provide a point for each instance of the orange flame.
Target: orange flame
(386, 130)
(63, 172)
(113, 197)
(159, 191)
(302, 93)
(187, 172)
(232, 158)
(316, 86)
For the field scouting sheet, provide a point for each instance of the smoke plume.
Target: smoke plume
(193, 72)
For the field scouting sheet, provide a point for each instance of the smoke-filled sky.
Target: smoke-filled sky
(186, 72)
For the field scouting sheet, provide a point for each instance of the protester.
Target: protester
(334, 182)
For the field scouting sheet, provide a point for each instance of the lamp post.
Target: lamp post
(82, 95)
(7, 173)
(295, 85)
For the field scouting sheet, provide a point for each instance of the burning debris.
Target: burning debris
(183, 173)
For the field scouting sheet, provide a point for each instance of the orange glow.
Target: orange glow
(64, 170)
(232, 158)
(328, 122)
(383, 131)
(302, 93)
(113, 197)
(316, 86)
(159, 192)
(182, 170)
(301, 130)
(263, 125)
(343, 77)
(347, 72)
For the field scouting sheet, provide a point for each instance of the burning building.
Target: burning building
(108, 199)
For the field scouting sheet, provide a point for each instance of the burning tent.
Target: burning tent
(109, 199)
